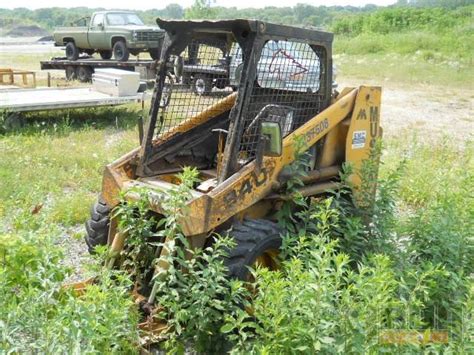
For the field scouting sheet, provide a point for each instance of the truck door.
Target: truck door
(97, 33)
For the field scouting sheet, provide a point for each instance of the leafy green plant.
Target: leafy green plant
(317, 302)
(292, 176)
(138, 224)
(190, 286)
(194, 292)
(39, 315)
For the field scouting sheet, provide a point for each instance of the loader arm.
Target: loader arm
(251, 184)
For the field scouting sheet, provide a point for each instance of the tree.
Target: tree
(173, 11)
(201, 9)
(302, 11)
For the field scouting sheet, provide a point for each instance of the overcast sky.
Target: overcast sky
(146, 4)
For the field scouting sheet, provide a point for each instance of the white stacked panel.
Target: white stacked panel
(116, 82)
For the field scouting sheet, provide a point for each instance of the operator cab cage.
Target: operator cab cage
(227, 77)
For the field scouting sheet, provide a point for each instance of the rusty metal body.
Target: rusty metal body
(285, 77)
(242, 184)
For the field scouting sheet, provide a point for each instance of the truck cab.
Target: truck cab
(111, 33)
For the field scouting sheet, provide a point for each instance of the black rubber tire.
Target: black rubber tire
(97, 227)
(252, 237)
(70, 73)
(202, 85)
(84, 74)
(72, 52)
(121, 52)
(155, 53)
(105, 55)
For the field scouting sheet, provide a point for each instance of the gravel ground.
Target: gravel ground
(76, 255)
(27, 45)
(430, 112)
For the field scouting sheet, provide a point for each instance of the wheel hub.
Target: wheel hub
(200, 86)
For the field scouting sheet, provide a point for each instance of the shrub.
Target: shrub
(191, 287)
(318, 303)
(38, 315)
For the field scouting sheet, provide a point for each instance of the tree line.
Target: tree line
(341, 19)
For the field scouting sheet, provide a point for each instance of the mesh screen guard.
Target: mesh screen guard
(259, 78)
(287, 90)
(204, 82)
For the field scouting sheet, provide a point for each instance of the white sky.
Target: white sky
(146, 4)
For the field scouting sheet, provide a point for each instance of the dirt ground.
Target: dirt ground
(430, 112)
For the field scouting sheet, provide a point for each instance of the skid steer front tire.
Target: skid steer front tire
(97, 227)
(257, 242)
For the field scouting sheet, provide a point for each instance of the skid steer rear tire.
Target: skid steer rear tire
(97, 227)
(254, 238)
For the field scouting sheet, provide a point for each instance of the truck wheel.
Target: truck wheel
(121, 52)
(155, 53)
(70, 73)
(97, 227)
(202, 85)
(72, 52)
(257, 242)
(106, 55)
(84, 74)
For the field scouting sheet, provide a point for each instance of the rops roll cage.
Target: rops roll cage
(251, 35)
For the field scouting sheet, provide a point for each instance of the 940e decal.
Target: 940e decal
(249, 183)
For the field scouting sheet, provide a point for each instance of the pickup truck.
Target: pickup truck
(120, 33)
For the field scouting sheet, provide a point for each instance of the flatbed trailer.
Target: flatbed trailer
(83, 68)
(197, 76)
(14, 102)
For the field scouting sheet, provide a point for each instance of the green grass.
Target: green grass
(26, 61)
(407, 57)
(403, 69)
(56, 161)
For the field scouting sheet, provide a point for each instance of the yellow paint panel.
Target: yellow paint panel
(251, 184)
(364, 129)
(217, 109)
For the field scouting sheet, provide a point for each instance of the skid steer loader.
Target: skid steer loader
(274, 89)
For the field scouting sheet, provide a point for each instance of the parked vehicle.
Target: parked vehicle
(275, 56)
(117, 33)
(242, 145)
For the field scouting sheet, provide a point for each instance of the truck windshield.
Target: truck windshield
(120, 19)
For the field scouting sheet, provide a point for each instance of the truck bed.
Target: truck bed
(62, 62)
(146, 67)
(79, 33)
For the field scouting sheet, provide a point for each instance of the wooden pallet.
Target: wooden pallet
(8, 76)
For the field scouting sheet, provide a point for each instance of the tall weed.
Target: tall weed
(38, 315)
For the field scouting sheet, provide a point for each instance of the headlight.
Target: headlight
(135, 35)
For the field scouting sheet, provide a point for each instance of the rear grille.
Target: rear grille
(149, 36)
